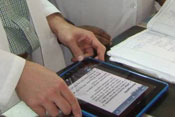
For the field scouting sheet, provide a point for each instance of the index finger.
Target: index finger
(77, 52)
(99, 47)
(68, 95)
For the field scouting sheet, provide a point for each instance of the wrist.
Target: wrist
(57, 23)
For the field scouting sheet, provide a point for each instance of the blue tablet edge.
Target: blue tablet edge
(87, 114)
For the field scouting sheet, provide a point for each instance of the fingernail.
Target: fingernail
(80, 58)
(78, 115)
(96, 57)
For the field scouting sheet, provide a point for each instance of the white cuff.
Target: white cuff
(11, 68)
(49, 8)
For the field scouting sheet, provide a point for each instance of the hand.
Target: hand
(81, 42)
(100, 34)
(44, 91)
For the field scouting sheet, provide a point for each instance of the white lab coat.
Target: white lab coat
(114, 16)
(49, 55)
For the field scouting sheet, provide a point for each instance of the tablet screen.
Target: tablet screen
(107, 91)
(104, 90)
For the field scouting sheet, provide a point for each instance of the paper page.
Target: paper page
(144, 69)
(150, 50)
(164, 20)
(107, 91)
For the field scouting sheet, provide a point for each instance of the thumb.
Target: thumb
(76, 51)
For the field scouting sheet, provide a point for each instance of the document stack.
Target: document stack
(153, 50)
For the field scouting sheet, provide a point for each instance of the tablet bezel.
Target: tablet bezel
(139, 106)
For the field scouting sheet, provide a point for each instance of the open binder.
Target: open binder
(151, 51)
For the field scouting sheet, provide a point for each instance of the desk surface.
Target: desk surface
(165, 107)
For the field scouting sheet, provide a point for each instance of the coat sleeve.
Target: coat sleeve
(48, 7)
(11, 67)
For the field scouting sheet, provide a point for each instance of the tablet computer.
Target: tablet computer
(103, 89)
